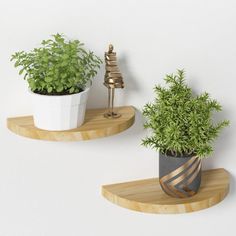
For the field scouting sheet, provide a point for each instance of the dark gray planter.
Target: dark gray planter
(179, 176)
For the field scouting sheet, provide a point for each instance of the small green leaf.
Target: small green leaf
(59, 89)
(48, 79)
(49, 89)
(21, 71)
(72, 90)
(17, 64)
(64, 63)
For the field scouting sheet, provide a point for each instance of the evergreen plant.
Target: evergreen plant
(181, 123)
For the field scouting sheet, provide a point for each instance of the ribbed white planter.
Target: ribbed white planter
(57, 113)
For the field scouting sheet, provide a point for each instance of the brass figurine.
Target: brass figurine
(113, 79)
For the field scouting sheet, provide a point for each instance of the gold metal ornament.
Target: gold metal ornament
(113, 79)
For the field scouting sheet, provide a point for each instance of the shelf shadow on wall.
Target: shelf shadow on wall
(98, 94)
(137, 128)
(232, 185)
(222, 143)
(130, 79)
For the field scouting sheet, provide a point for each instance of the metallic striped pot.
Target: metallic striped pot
(179, 176)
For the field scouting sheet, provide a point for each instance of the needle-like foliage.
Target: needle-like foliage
(181, 123)
(58, 67)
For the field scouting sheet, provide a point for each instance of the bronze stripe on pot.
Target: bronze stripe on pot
(180, 176)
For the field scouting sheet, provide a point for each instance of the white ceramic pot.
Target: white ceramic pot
(60, 112)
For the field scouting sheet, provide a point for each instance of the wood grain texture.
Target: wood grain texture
(95, 126)
(147, 195)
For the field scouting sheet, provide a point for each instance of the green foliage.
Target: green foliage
(181, 123)
(58, 66)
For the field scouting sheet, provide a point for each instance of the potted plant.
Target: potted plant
(183, 132)
(58, 74)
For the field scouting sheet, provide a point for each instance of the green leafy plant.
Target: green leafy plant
(58, 67)
(181, 123)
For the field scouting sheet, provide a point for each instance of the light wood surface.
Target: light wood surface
(95, 126)
(147, 195)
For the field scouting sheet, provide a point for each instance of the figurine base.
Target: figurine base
(112, 115)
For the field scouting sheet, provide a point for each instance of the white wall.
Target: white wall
(53, 189)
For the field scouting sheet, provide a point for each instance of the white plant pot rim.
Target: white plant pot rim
(38, 94)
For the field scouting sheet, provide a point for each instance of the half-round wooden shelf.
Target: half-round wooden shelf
(147, 196)
(95, 126)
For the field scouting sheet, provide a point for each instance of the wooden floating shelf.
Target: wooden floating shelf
(147, 195)
(95, 126)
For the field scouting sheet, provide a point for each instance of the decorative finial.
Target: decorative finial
(110, 48)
